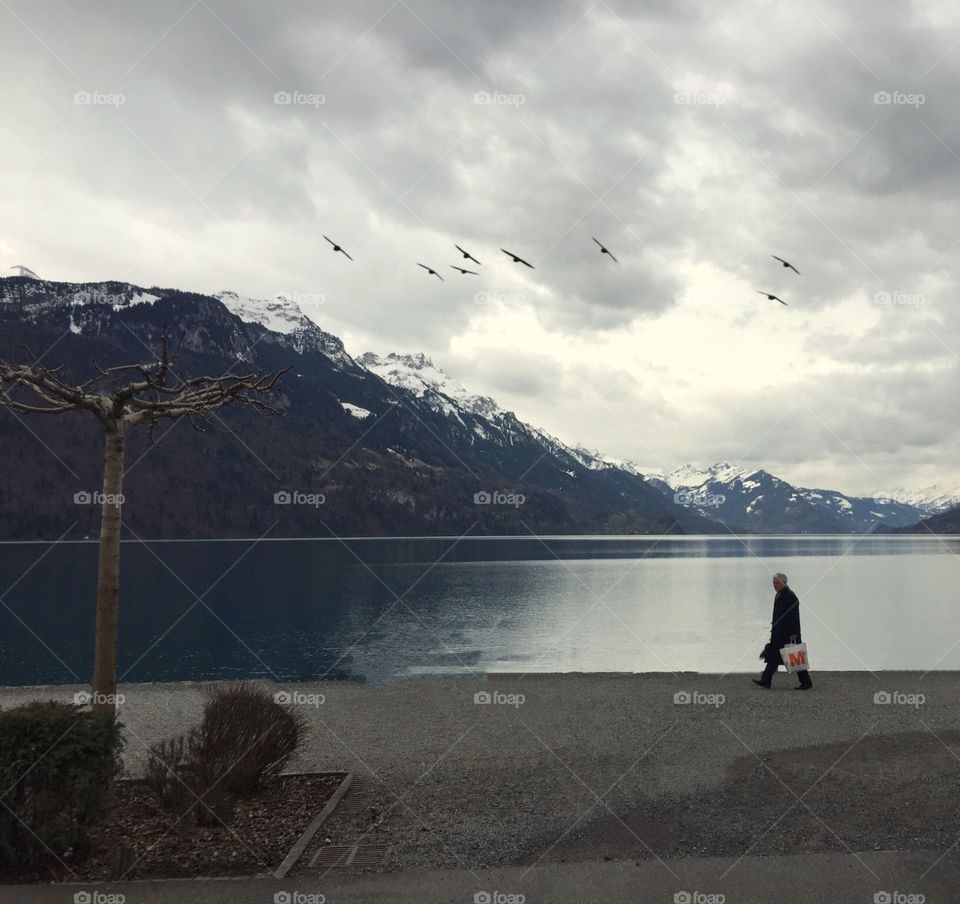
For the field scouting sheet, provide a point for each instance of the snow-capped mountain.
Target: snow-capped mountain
(758, 500)
(931, 499)
(481, 415)
(394, 445)
(696, 475)
(284, 316)
(739, 497)
(419, 375)
(595, 459)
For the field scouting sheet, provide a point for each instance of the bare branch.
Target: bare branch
(154, 393)
(44, 385)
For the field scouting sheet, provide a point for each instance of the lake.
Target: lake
(382, 610)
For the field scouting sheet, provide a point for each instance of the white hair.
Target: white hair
(780, 576)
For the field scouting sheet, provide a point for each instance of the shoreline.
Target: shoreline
(465, 678)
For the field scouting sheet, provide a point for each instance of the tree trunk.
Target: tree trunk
(108, 575)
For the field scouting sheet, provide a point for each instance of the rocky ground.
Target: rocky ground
(553, 768)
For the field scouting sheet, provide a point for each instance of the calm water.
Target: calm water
(308, 609)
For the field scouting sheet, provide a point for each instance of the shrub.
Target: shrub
(57, 768)
(180, 785)
(244, 738)
(165, 772)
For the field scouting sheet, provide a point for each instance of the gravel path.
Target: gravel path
(570, 767)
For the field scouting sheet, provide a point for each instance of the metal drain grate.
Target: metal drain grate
(367, 855)
(332, 855)
(349, 855)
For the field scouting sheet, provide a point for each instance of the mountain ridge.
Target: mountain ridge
(720, 496)
(387, 460)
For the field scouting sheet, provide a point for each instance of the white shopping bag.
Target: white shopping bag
(794, 656)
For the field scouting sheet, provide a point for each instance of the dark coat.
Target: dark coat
(786, 623)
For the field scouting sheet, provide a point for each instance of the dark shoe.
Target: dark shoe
(803, 687)
(760, 683)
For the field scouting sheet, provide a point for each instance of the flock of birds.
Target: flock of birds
(463, 271)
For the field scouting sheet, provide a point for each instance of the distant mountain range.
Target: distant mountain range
(945, 522)
(392, 444)
(759, 501)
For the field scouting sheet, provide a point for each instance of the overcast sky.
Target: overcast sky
(148, 143)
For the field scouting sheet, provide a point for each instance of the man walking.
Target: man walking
(784, 629)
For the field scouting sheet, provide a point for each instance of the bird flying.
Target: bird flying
(517, 260)
(769, 296)
(786, 263)
(464, 272)
(431, 271)
(605, 250)
(467, 255)
(336, 248)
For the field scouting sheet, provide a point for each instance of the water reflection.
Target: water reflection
(381, 610)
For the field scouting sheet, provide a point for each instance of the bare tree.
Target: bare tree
(121, 398)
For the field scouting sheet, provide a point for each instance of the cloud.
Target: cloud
(693, 142)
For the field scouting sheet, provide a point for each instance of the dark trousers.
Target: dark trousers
(771, 668)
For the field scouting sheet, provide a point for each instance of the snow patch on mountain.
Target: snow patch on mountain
(278, 314)
(282, 315)
(595, 460)
(356, 410)
(418, 374)
(119, 301)
(694, 475)
(651, 472)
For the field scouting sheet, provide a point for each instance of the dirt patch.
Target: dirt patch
(896, 792)
(260, 835)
